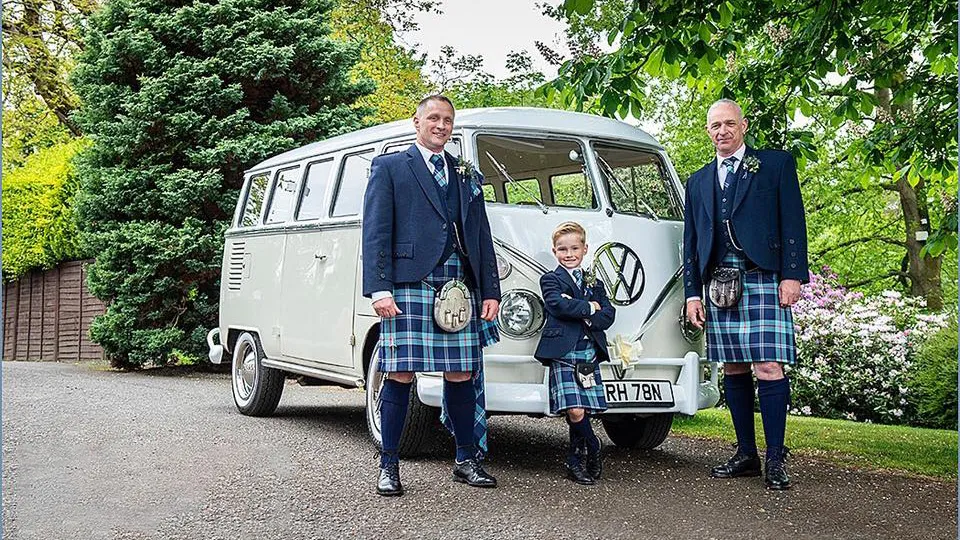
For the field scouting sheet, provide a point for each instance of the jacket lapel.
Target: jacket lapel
(708, 178)
(568, 279)
(457, 182)
(423, 176)
(743, 181)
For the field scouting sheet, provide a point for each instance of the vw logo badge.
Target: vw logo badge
(621, 271)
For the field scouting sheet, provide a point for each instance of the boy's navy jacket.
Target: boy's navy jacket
(566, 316)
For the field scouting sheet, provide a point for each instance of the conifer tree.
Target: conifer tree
(179, 98)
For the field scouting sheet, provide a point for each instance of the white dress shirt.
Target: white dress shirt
(427, 154)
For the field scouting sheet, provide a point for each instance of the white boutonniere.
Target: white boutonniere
(469, 173)
(751, 164)
(590, 276)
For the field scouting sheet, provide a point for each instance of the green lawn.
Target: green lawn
(927, 452)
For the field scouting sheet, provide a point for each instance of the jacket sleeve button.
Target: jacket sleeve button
(792, 241)
(793, 265)
(382, 275)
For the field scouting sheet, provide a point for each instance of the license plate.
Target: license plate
(638, 393)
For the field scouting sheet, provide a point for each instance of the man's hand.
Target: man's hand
(386, 308)
(490, 309)
(789, 292)
(695, 313)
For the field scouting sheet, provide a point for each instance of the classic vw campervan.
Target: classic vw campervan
(290, 300)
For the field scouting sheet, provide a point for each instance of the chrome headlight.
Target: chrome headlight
(521, 314)
(503, 266)
(690, 332)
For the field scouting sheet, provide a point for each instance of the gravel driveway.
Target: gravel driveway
(92, 454)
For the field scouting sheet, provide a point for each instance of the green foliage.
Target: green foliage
(27, 129)
(39, 228)
(933, 379)
(179, 100)
(861, 87)
(400, 84)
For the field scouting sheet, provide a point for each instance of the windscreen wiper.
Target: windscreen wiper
(506, 175)
(608, 171)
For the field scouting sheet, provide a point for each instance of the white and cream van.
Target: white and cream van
(290, 297)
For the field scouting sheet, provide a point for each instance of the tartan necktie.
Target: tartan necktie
(578, 278)
(438, 174)
(728, 164)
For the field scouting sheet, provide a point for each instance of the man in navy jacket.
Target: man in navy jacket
(424, 224)
(744, 211)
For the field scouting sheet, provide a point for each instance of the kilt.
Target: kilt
(565, 393)
(412, 341)
(757, 329)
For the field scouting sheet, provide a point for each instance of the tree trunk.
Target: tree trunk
(923, 272)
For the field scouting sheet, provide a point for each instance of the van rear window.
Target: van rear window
(251, 209)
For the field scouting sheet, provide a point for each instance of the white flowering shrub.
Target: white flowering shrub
(855, 352)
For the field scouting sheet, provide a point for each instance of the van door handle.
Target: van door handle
(319, 257)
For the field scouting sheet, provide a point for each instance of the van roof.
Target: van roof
(520, 118)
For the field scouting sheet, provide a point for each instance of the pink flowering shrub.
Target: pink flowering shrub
(855, 352)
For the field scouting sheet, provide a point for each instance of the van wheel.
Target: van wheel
(256, 389)
(634, 431)
(422, 426)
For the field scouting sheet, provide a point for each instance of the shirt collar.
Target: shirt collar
(738, 154)
(570, 271)
(427, 154)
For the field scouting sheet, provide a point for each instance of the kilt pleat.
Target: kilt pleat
(757, 329)
(412, 341)
(565, 393)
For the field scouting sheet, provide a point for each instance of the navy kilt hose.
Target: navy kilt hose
(412, 341)
(757, 329)
(565, 392)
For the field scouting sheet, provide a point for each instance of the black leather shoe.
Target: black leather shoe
(578, 473)
(470, 472)
(775, 470)
(741, 464)
(389, 484)
(594, 462)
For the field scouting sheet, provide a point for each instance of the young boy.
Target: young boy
(578, 312)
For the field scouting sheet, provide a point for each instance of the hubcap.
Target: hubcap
(245, 372)
(374, 386)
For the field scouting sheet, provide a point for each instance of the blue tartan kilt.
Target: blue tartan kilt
(565, 393)
(412, 341)
(757, 329)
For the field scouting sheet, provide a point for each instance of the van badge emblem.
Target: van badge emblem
(621, 271)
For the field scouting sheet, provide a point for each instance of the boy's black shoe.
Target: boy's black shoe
(741, 464)
(579, 474)
(388, 484)
(594, 461)
(470, 472)
(775, 470)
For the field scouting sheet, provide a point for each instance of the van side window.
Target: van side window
(354, 174)
(281, 198)
(523, 191)
(255, 193)
(314, 189)
(572, 190)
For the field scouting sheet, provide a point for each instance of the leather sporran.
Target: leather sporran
(725, 287)
(584, 373)
(452, 306)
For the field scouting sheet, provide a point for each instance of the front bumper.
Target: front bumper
(689, 392)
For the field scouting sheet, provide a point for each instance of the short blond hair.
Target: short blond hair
(569, 227)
